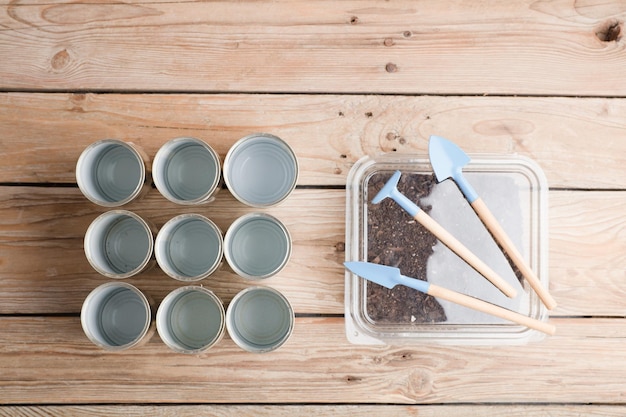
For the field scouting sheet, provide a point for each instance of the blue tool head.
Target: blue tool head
(380, 274)
(446, 158)
(386, 276)
(448, 161)
(389, 190)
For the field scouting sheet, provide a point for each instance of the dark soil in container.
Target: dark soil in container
(396, 239)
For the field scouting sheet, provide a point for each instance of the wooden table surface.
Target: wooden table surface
(337, 80)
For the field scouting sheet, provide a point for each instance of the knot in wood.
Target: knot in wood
(420, 383)
(391, 67)
(60, 60)
(610, 31)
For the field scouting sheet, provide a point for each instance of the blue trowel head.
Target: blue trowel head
(446, 158)
(380, 274)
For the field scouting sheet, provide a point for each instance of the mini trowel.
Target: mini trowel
(448, 160)
(390, 277)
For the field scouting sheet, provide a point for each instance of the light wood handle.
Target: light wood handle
(494, 310)
(457, 247)
(509, 247)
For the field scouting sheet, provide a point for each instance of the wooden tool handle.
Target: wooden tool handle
(457, 247)
(507, 244)
(485, 307)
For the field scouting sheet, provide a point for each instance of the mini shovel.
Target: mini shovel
(390, 277)
(390, 190)
(448, 161)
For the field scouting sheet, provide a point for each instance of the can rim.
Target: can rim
(140, 267)
(141, 158)
(166, 305)
(228, 161)
(87, 303)
(229, 236)
(231, 327)
(159, 241)
(163, 188)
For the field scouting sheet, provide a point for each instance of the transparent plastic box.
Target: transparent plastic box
(515, 190)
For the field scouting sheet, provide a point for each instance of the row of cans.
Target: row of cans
(189, 247)
(260, 170)
(117, 316)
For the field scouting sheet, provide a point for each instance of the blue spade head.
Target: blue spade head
(446, 158)
(448, 161)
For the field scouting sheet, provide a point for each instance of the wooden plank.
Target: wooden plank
(44, 270)
(48, 360)
(588, 251)
(453, 47)
(464, 410)
(579, 143)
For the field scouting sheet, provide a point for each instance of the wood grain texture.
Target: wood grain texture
(50, 358)
(337, 81)
(463, 410)
(44, 270)
(579, 143)
(452, 47)
(597, 222)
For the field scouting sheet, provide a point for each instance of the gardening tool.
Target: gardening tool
(391, 190)
(389, 277)
(447, 161)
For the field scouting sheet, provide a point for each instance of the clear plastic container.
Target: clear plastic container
(515, 190)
